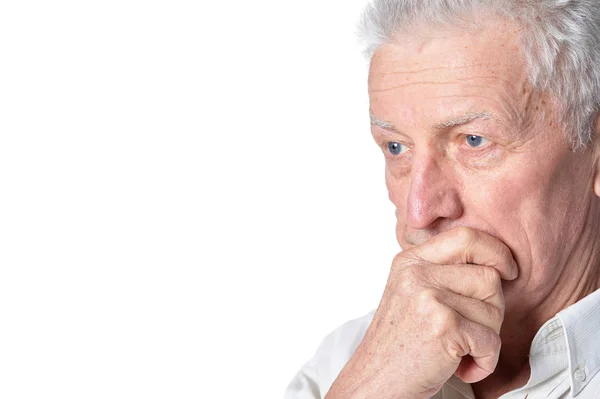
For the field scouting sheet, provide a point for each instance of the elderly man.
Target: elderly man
(487, 114)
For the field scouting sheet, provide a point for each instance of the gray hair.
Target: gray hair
(560, 40)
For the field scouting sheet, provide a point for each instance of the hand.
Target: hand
(440, 314)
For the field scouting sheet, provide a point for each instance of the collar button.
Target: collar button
(579, 375)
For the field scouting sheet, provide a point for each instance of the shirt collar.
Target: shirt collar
(548, 355)
(567, 341)
(581, 326)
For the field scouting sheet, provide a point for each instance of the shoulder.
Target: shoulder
(345, 339)
(315, 378)
(338, 347)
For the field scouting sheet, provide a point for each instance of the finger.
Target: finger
(469, 371)
(482, 283)
(479, 342)
(466, 245)
(471, 309)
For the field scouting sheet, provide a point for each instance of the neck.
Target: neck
(579, 278)
(498, 383)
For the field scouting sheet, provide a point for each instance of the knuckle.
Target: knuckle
(444, 322)
(406, 284)
(427, 300)
(495, 317)
(496, 314)
(467, 238)
(403, 275)
(491, 286)
(466, 234)
(406, 280)
(397, 261)
(410, 277)
(491, 277)
(456, 346)
(405, 258)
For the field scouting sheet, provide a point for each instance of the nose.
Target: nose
(432, 193)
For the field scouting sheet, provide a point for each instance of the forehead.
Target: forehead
(440, 71)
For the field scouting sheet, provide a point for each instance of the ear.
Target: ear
(596, 149)
(597, 180)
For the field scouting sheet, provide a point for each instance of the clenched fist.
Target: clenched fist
(440, 314)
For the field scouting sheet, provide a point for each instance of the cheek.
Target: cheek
(534, 209)
(397, 186)
(498, 203)
(500, 197)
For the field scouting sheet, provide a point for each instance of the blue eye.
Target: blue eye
(395, 148)
(475, 141)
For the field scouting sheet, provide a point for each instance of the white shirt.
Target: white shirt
(564, 359)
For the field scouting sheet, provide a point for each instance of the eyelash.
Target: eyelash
(386, 149)
(485, 140)
(486, 143)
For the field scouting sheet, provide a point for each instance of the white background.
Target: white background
(190, 198)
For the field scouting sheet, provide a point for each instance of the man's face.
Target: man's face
(469, 147)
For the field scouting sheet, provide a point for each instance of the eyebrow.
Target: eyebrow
(451, 122)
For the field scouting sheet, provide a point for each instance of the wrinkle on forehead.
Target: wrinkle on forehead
(442, 83)
(487, 67)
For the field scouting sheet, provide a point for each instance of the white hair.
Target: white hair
(560, 41)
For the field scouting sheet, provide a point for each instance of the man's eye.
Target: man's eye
(476, 141)
(395, 148)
